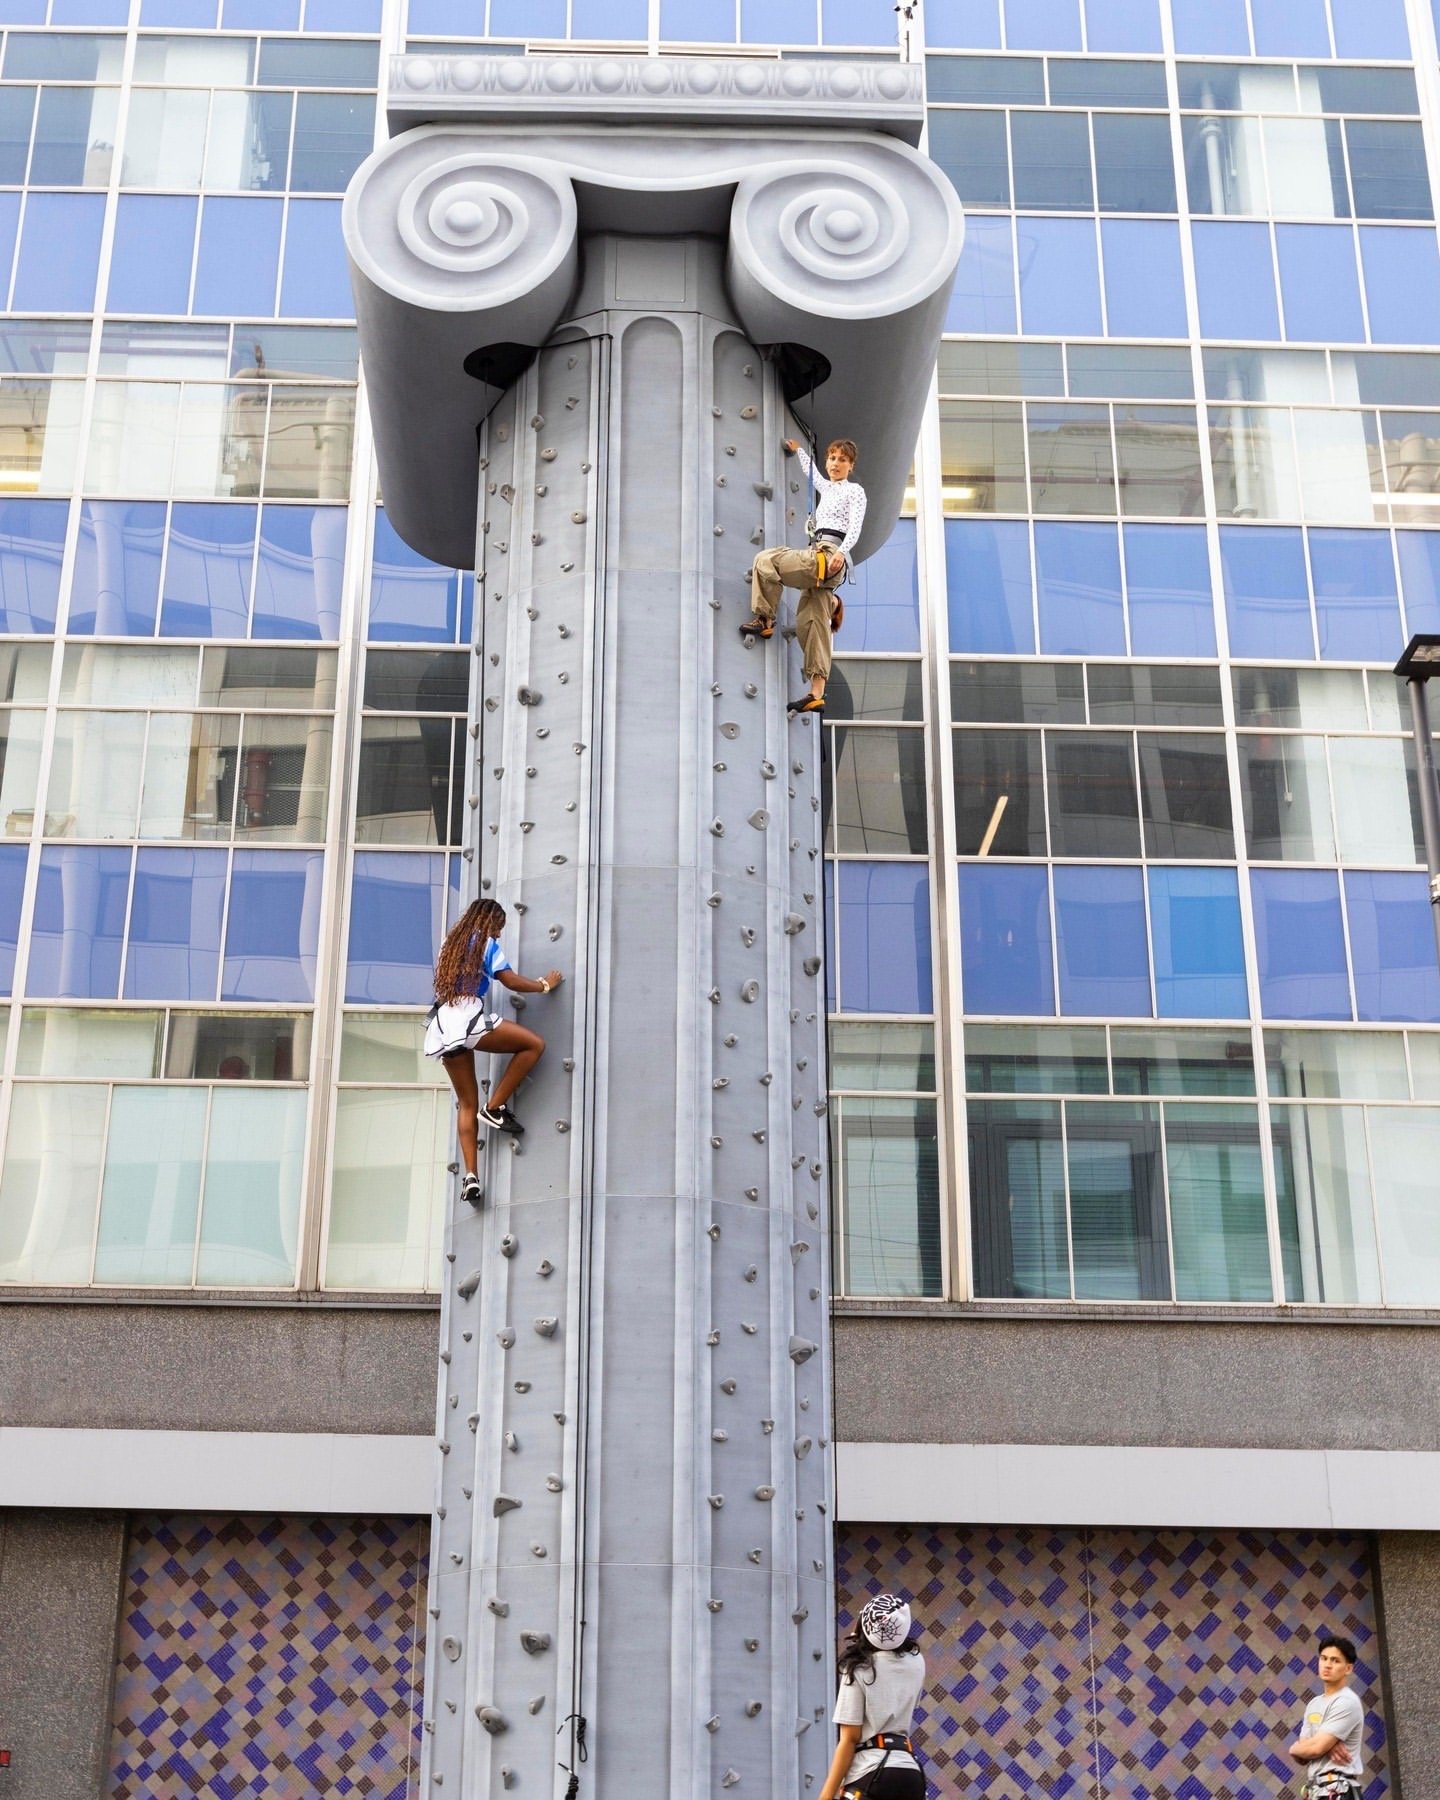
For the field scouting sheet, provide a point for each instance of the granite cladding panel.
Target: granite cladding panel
(275, 1657)
(1120, 1664)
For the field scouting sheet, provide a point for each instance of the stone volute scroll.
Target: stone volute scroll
(464, 242)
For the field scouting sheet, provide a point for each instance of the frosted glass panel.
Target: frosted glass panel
(887, 1154)
(1405, 1146)
(1323, 1188)
(152, 1185)
(51, 1182)
(252, 1189)
(390, 1187)
(1217, 1204)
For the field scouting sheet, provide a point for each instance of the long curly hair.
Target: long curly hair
(461, 961)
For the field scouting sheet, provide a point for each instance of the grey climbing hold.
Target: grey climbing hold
(528, 697)
(802, 1448)
(801, 1350)
(472, 1420)
(766, 1079)
(545, 1268)
(753, 1708)
(493, 1720)
(568, 1065)
(578, 518)
(729, 730)
(727, 1387)
(505, 1337)
(535, 1705)
(751, 690)
(553, 1484)
(562, 1126)
(546, 1327)
(522, 1387)
(547, 456)
(539, 1550)
(731, 1778)
(720, 1081)
(716, 1501)
(798, 1249)
(555, 933)
(505, 1503)
(763, 489)
(749, 412)
(800, 1615)
(793, 924)
(751, 1273)
(717, 828)
(749, 1330)
(712, 1724)
(719, 1437)
(747, 936)
(468, 1286)
(752, 1193)
(811, 965)
(453, 1648)
(750, 992)
(716, 1142)
(712, 1339)
(759, 1136)
(508, 1245)
(713, 1233)
(767, 1426)
(730, 1040)
(767, 771)
(765, 1493)
(534, 1643)
(714, 899)
(512, 1443)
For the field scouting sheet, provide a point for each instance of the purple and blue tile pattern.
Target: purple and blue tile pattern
(275, 1657)
(1119, 1664)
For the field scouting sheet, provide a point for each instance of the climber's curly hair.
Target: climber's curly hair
(461, 961)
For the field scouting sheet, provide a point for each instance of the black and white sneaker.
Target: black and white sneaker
(500, 1118)
(471, 1191)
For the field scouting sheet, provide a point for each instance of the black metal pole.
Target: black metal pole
(1429, 792)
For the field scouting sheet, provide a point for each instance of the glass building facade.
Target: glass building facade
(1133, 985)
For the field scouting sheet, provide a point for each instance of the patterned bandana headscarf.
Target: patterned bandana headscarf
(885, 1621)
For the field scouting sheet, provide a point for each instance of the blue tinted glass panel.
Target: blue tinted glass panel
(154, 242)
(1392, 946)
(239, 256)
(987, 576)
(207, 572)
(1402, 283)
(1357, 610)
(1234, 280)
(962, 25)
(1291, 28)
(297, 580)
(882, 603)
(32, 542)
(116, 588)
(780, 21)
(856, 22)
(12, 888)
(316, 281)
(59, 253)
(525, 18)
(271, 929)
(1419, 553)
(22, 12)
(884, 937)
(1077, 573)
(264, 15)
(1167, 575)
(698, 21)
(1005, 936)
(395, 927)
(1059, 276)
(412, 601)
(194, 15)
(89, 12)
(1199, 955)
(1042, 24)
(1122, 24)
(342, 15)
(1210, 27)
(1100, 942)
(609, 18)
(1300, 944)
(983, 298)
(1266, 597)
(1370, 28)
(9, 225)
(79, 922)
(1319, 283)
(446, 18)
(174, 951)
(1144, 289)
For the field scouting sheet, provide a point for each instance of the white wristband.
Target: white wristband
(544, 985)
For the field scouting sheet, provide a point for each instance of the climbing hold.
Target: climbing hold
(767, 1426)
(731, 1778)
(527, 697)
(546, 1327)
(799, 1616)
(578, 518)
(494, 1722)
(749, 412)
(730, 1040)
(766, 1079)
(505, 1503)
(747, 936)
(759, 1136)
(717, 828)
(716, 1501)
(545, 1268)
(729, 730)
(767, 771)
(798, 1249)
(751, 1273)
(793, 924)
(750, 992)
(802, 1448)
(562, 1126)
(715, 899)
(547, 456)
(753, 1708)
(749, 1330)
(533, 1643)
(468, 1286)
(555, 932)
(553, 1484)
(751, 690)
(801, 1350)
(719, 1437)
(752, 1193)
(727, 1387)
(535, 1704)
(506, 1337)
(522, 1387)
(453, 1648)
(508, 1245)
(539, 1550)
(720, 1081)
(568, 1065)
(763, 489)
(511, 1441)
(716, 1142)
(712, 1724)
(713, 1233)
(811, 965)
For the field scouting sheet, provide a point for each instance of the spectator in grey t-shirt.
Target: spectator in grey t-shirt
(1331, 1744)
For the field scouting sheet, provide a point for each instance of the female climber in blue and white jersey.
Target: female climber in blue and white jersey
(470, 960)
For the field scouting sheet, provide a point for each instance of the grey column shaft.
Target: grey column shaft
(645, 1372)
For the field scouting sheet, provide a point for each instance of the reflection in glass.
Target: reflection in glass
(251, 1204)
(1185, 796)
(1136, 371)
(1134, 167)
(1036, 1059)
(1283, 376)
(20, 735)
(1387, 169)
(334, 133)
(1093, 805)
(1252, 452)
(1306, 165)
(1409, 454)
(249, 143)
(51, 1182)
(1405, 1146)
(190, 765)
(429, 681)
(411, 781)
(876, 793)
(1237, 87)
(165, 139)
(1154, 694)
(74, 137)
(39, 435)
(999, 793)
(980, 368)
(1025, 693)
(1051, 154)
(1181, 1062)
(879, 1055)
(1336, 466)
(982, 452)
(1322, 1188)
(1286, 794)
(1223, 168)
(1017, 1198)
(1117, 1205)
(1377, 801)
(378, 1046)
(1159, 462)
(151, 1190)
(971, 148)
(887, 1165)
(308, 444)
(273, 679)
(1217, 1203)
(1336, 1065)
(63, 1039)
(238, 1046)
(1319, 698)
(95, 775)
(386, 1204)
(1072, 459)
(865, 689)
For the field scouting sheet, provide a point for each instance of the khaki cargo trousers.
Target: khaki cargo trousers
(786, 567)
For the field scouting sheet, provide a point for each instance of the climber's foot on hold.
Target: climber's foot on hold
(807, 703)
(500, 1118)
(761, 628)
(471, 1192)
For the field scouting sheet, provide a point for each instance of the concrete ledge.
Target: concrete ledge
(1070, 1484)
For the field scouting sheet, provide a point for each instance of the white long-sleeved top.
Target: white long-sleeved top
(840, 506)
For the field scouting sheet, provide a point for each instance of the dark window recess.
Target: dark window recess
(1154, 694)
(986, 80)
(1017, 693)
(1093, 81)
(1051, 153)
(1185, 790)
(999, 781)
(432, 681)
(415, 775)
(1093, 806)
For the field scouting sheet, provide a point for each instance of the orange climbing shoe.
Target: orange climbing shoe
(807, 703)
(761, 628)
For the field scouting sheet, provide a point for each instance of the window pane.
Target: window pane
(61, 1040)
(1036, 1059)
(418, 681)
(1336, 466)
(151, 1192)
(17, 114)
(1306, 165)
(39, 435)
(20, 735)
(1286, 794)
(1323, 1189)
(887, 1161)
(1159, 460)
(1357, 607)
(1072, 461)
(1100, 942)
(334, 133)
(1136, 371)
(32, 540)
(386, 1047)
(1217, 1203)
(1144, 296)
(1336, 1065)
(873, 690)
(165, 138)
(1185, 795)
(272, 925)
(1392, 946)
(1224, 172)
(249, 141)
(1051, 154)
(1141, 694)
(284, 779)
(1000, 368)
(880, 792)
(1253, 453)
(317, 62)
(95, 775)
(395, 927)
(982, 453)
(388, 1189)
(1117, 1221)
(1235, 280)
(1093, 806)
(191, 764)
(984, 80)
(1387, 169)
(1017, 1189)
(236, 1046)
(1377, 811)
(51, 1182)
(297, 575)
(1407, 456)
(1078, 585)
(883, 949)
(207, 571)
(999, 793)
(868, 1056)
(1022, 693)
(271, 678)
(1282, 376)
(882, 601)
(1181, 1062)
(174, 932)
(74, 137)
(1350, 90)
(1405, 1145)
(1005, 935)
(1402, 284)
(1237, 87)
(988, 584)
(251, 1207)
(1300, 944)
(1134, 168)
(1195, 928)
(1090, 82)
(404, 793)
(132, 437)
(1319, 698)
(205, 61)
(63, 56)
(307, 453)
(970, 147)
(1266, 592)
(127, 675)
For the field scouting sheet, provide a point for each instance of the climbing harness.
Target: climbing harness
(882, 1740)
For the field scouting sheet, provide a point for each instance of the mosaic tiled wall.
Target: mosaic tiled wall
(1122, 1665)
(275, 1657)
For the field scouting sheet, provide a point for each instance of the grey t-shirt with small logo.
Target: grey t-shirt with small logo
(1342, 1714)
(881, 1698)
